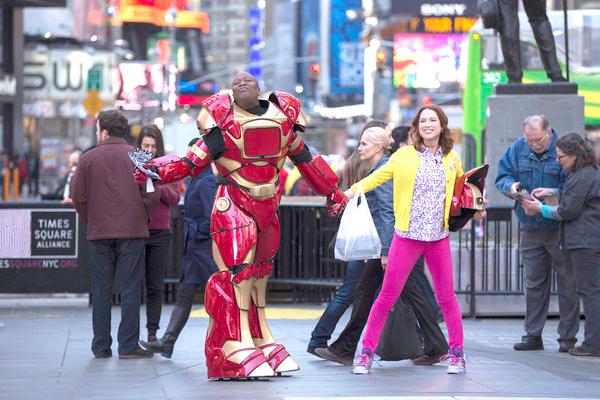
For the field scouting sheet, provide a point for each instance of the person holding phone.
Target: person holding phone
(530, 163)
(577, 207)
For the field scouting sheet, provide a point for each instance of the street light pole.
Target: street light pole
(566, 28)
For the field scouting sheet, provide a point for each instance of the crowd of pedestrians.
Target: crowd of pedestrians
(17, 172)
(554, 181)
(408, 177)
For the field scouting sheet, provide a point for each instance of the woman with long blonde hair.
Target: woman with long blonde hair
(355, 169)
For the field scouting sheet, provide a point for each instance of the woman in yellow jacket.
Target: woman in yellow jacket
(424, 176)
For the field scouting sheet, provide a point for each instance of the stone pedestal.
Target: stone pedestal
(507, 109)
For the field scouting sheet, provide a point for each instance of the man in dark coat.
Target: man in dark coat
(116, 212)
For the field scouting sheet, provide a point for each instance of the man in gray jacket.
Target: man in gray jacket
(115, 210)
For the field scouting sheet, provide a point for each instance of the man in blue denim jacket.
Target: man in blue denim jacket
(528, 164)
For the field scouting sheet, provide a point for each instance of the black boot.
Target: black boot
(530, 343)
(164, 346)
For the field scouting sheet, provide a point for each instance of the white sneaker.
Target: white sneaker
(457, 362)
(363, 366)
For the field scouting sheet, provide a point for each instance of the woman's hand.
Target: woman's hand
(532, 206)
(349, 194)
(541, 193)
(479, 215)
(384, 260)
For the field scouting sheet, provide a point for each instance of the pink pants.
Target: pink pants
(403, 255)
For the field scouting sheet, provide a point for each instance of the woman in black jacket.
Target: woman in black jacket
(577, 207)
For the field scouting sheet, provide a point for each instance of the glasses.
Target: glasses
(559, 158)
(537, 141)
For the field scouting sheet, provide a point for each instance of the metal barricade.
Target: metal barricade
(488, 273)
(485, 257)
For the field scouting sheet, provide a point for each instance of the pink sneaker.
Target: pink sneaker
(457, 361)
(363, 366)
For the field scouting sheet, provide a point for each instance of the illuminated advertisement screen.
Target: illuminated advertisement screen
(139, 85)
(427, 61)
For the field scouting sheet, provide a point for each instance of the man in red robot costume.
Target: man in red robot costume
(247, 139)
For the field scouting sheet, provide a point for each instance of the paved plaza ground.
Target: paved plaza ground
(45, 354)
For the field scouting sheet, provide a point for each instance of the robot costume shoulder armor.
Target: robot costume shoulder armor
(215, 111)
(291, 107)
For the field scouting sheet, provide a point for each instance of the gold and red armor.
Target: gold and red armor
(467, 197)
(248, 151)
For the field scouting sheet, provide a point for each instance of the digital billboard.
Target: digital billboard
(428, 61)
(346, 68)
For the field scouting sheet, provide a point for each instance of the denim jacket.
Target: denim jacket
(521, 164)
(381, 204)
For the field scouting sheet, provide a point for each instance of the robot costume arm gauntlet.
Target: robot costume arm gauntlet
(173, 168)
(318, 174)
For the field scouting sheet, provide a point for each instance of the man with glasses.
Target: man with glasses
(528, 164)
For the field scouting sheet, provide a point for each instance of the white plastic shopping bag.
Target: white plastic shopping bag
(357, 237)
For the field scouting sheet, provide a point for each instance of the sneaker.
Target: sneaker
(457, 361)
(363, 366)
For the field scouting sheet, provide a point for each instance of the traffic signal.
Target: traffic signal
(381, 58)
(315, 69)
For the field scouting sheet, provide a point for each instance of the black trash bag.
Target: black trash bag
(399, 338)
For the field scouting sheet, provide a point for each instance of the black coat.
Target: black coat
(198, 262)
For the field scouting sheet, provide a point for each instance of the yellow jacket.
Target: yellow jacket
(402, 167)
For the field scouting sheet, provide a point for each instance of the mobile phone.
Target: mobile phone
(522, 194)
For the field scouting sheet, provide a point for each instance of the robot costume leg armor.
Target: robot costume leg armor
(230, 350)
(278, 357)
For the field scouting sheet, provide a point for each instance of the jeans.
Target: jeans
(370, 280)
(402, 257)
(157, 255)
(124, 257)
(340, 303)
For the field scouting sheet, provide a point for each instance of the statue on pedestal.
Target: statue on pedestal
(502, 15)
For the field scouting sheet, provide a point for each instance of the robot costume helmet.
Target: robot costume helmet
(467, 197)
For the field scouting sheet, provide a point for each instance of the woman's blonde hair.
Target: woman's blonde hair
(378, 136)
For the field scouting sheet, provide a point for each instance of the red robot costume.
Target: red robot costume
(248, 151)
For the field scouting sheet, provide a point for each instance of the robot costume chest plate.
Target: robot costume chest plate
(261, 137)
